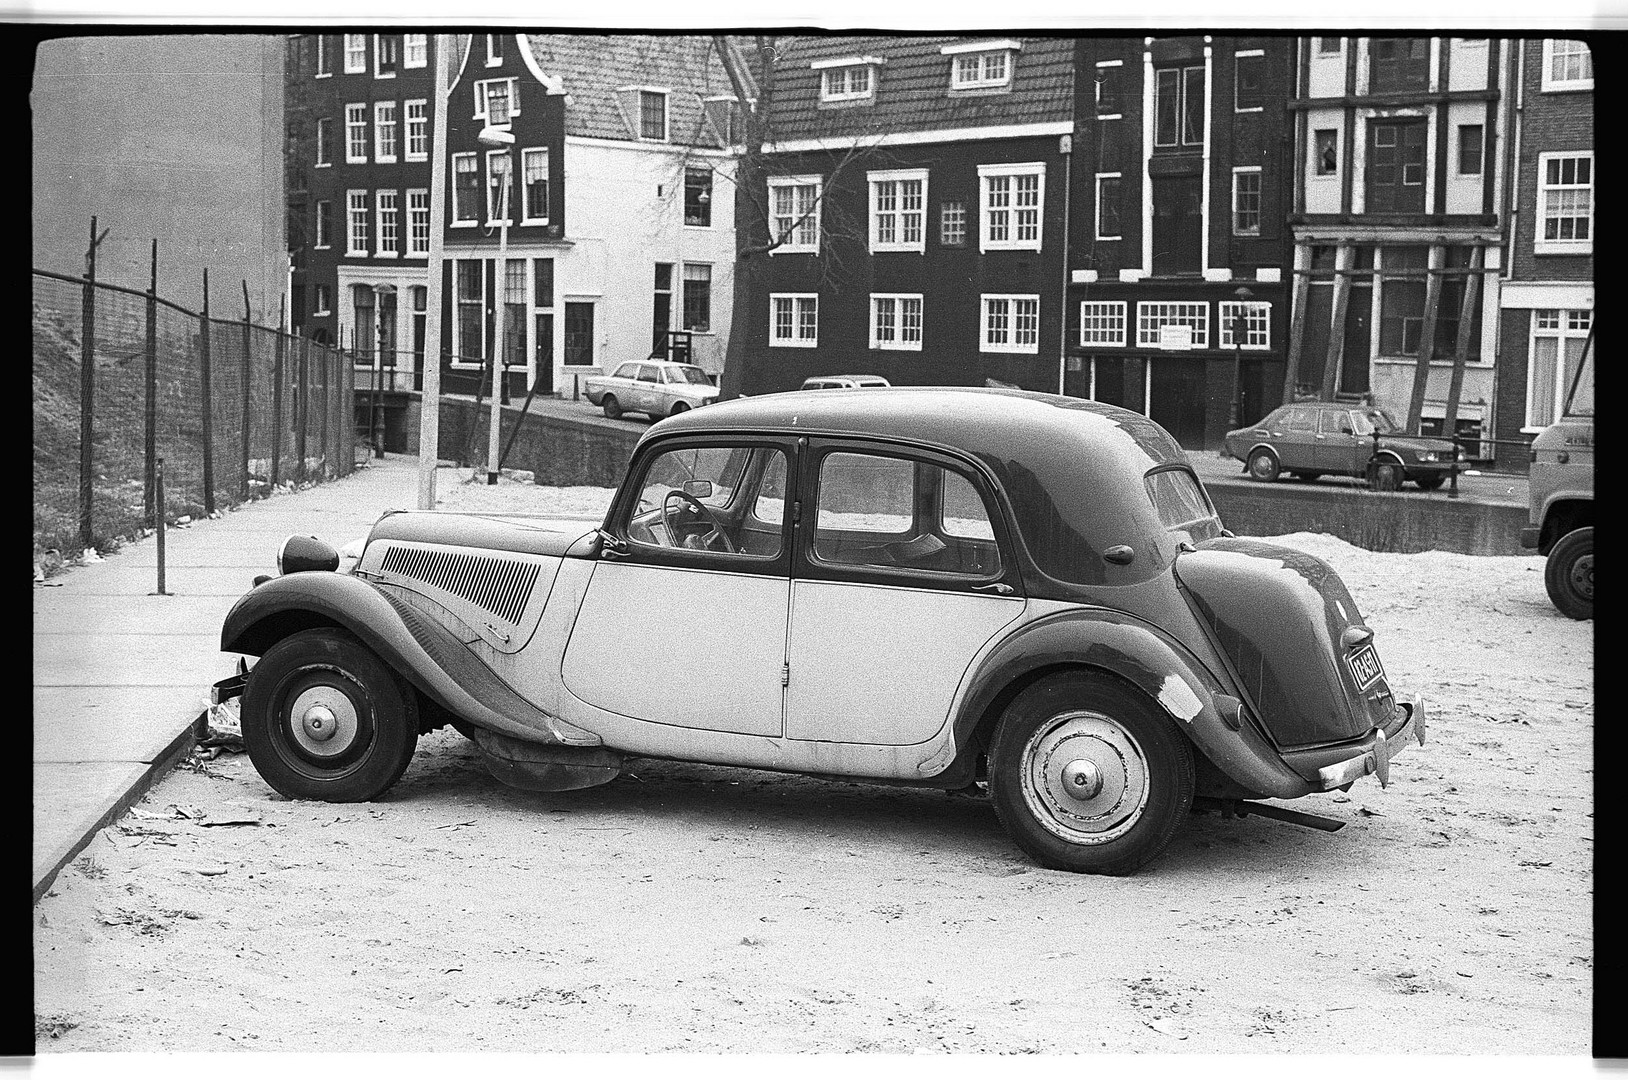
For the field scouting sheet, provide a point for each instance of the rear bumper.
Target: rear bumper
(1381, 746)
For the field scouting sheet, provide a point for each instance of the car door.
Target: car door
(684, 620)
(899, 582)
(1295, 437)
(1336, 442)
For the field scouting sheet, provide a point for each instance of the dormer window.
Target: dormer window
(850, 78)
(495, 101)
(982, 65)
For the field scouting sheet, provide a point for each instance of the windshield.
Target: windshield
(688, 374)
(1368, 421)
(1580, 398)
(1182, 504)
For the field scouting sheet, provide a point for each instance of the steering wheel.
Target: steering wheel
(706, 539)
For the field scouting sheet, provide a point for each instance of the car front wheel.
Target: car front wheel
(1384, 474)
(324, 718)
(1569, 574)
(1263, 465)
(612, 407)
(1088, 775)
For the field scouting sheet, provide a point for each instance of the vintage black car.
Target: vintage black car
(964, 589)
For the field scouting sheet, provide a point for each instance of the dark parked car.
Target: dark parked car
(1311, 438)
(964, 589)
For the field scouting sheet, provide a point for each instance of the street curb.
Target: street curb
(142, 780)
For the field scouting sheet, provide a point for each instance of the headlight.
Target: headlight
(1429, 455)
(300, 553)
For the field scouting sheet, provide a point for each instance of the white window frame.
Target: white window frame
(952, 212)
(792, 245)
(1153, 314)
(415, 45)
(844, 67)
(1102, 322)
(387, 211)
(1570, 325)
(322, 299)
(418, 213)
(356, 222)
(322, 237)
(452, 191)
(324, 123)
(1244, 54)
(356, 133)
(986, 212)
(897, 339)
(981, 52)
(1097, 224)
(494, 194)
(876, 180)
(494, 51)
(666, 114)
(796, 303)
(355, 45)
(386, 128)
(1552, 85)
(1260, 196)
(1007, 305)
(378, 67)
(1096, 92)
(1540, 216)
(481, 86)
(419, 124)
(526, 216)
(323, 70)
(1257, 335)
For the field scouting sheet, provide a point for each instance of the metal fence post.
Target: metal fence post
(208, 402)
(247, 374)
(158, 486)
(1452, 473)
(87, 395)
(301, 401)
(277, 396)
(150, 441)
(322, 413)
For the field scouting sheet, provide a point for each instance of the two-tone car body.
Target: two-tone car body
(1311, 438)
(951, 588)
(657, 388)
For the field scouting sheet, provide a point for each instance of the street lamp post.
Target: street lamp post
(503, 138)
(376, 421)
(1240, 329)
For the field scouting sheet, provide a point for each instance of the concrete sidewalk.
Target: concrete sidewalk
(121, 675)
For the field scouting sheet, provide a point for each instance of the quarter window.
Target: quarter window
(1011, 324)
(898, 210)
(1011, 199)
(896, 321)
(794, 320)
(1565, 203)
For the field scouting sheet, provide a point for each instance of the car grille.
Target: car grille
(500, 586)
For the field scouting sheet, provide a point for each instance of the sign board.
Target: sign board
(1175, 337)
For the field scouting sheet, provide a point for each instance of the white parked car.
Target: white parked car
(842, 382)
(656, 387)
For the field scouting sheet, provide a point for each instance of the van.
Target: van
(1560, 515)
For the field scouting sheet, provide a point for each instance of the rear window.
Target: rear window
(1182, 504)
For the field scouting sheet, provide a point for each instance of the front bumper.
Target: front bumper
(1376, 756)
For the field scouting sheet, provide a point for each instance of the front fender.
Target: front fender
(1152, 662)
(422, 650)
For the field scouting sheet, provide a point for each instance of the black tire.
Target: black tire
(1263, 465)
(1078, 730)
(1430, 482)
(679, 407)
(328, 677)
(612, 407)
(1384, 474)
(1569, 574)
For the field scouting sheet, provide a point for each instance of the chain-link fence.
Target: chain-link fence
(125, 380)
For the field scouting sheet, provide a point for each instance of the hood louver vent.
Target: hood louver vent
(500, 586)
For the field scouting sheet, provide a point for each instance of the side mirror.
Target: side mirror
(698, 489)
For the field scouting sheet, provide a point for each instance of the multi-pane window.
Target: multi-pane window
(1010, 324)
(794, 319)
(898, 210)
(325, 138)
(1110, 89)
(385, 132)
(1450, 305)
(1246, 201)
(465, 189)
(1567, 65)
(322, 302)
(415, 50)
(418, 130)
(356, 133)
(1565, 203)
(698, 297)
(496, 101)
(1178, 107)
(1398, 64)
(388, 210)
(498, 196)
(325, 224)
(356, 223)
(355, 53)
(418, 221)
(1471, 149)
(1102, 322)
(1153, 317)
(1248, 325)
(386, 55)
(1556, 349)
(952, 223)
(514, 313)
(850, 82)
(1009, 205)
(982, 69)
(1249, 88)
(896, 321)
(419, 297)
(534, 184)
(1402, 299)
(325, 58)
(470, 346)
(1108, 206)
(794, 212)
(653, 115)
(697, 195)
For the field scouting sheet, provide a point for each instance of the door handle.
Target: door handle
(999, 588)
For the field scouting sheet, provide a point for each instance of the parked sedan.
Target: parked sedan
(842, 382)
(1310, 438)
(657, 388)
(968, 589)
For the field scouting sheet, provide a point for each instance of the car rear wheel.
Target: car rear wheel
(1569, 574)
(612, 407)
(324, 718)
(1088, 775)
(1263, 465)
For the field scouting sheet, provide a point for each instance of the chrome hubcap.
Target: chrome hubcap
(1085, 778)
(324, 721)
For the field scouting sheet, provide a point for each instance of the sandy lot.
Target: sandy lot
(683, 908)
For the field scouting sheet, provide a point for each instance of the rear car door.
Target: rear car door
(901, 578)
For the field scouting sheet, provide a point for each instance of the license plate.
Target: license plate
(1365, 667)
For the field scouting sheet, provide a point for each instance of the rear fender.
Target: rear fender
(420, 649)
(1156, 665)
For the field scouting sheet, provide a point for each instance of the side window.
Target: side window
(888, 512)
(648, 374)
(724, 499)
(1334, 423)
(1301, 420)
